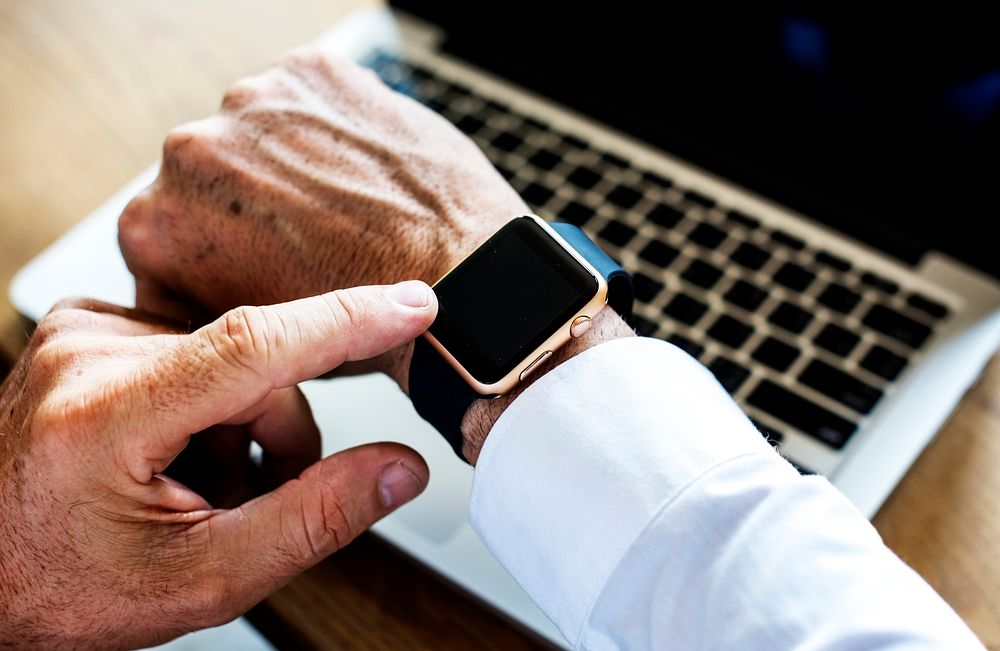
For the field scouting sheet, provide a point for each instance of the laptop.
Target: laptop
(801, 209)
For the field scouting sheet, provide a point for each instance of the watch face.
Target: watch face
(507, 298)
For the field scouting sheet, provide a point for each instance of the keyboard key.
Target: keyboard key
(421, 72)
(883, 362)
(584, 177)
(746, 295)
(617, 233)
(536, 195)
(497, 107)
(707, 236)
(685, 309)
(730, 331)
(828, 259)
(506, 141)
(790, 317)
(837, 340)
(544, 159)
(750, 256)
(616, 161)
(529, 134)
(702, 274)
(469, 124)
(458, 90)
(840, 386)
(659, 253)
(691, 348)
(776, 354)
(574, 143)
(794, 277)
(785, 239)
(699, 199)
(435, 104)
(624, 196)
(505, 171)
(927, 306)
(880, 283)
(802, 414)
(644, 287)
(535, 124)
(576, 213)
(643, 326)
(899, 327)
(839, 298)
(665, 215)
(729, 374)
(656, 179)
(743, 219)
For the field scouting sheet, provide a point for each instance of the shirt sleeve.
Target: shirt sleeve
(640, 508)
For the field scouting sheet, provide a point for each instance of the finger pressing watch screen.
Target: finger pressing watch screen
(508, 297)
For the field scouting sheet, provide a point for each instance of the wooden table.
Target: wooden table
(89, 88)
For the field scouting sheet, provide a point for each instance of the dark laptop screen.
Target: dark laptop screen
(886, 127)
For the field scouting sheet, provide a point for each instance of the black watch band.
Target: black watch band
(441, 396)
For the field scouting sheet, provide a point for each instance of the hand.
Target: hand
(313, 176)
(99, 545)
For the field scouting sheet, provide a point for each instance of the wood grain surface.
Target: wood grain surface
(89, 88)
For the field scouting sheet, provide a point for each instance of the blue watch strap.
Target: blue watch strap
(619, 281)
(439, 393)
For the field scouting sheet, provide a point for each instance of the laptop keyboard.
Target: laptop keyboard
(802, 339)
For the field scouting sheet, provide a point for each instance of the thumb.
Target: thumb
(234, 362)
(255, 549)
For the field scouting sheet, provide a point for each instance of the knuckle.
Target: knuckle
(241, 337)
(134, 219)
(324, 526)
(188, 144)
(147, 226)
(63, 317)
(134, 241)
(242, 93)
(346, 310)
(333, 69)
(307, 56)
(49, 355)
(177, 140)
(334, 526)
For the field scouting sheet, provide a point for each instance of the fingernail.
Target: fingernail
(411, 293)
(398, 484)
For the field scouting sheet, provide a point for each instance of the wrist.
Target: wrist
(482, 414)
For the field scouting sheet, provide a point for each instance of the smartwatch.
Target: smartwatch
(503, 310)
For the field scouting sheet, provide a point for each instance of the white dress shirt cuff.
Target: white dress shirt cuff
(548, 496)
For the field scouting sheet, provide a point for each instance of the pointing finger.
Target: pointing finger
(233, 363)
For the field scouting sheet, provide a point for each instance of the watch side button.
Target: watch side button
(532, 367)
(580, 325)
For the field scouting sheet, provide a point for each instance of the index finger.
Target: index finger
(234, 362)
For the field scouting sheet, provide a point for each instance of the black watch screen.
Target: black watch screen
(507, 298)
